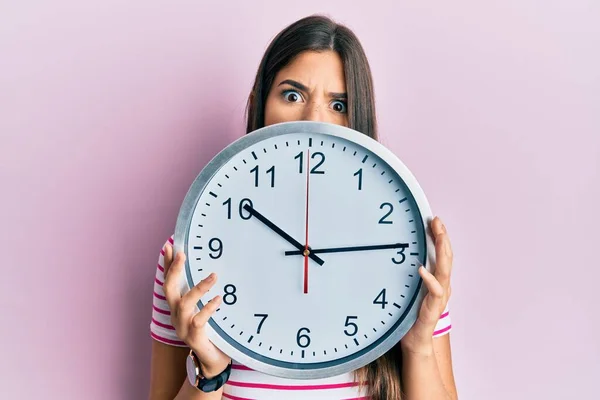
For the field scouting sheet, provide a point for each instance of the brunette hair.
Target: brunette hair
(382, 377)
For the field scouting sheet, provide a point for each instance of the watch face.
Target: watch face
(191, 370)
(294, 311)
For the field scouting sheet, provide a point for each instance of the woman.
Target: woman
(314, 70)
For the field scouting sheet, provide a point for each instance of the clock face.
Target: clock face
(247, 218)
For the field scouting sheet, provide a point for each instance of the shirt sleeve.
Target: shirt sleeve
(160, 325)
(444, 324)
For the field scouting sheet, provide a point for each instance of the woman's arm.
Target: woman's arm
(168, 377)
(426, 358)
(428, 374)
(168, 380)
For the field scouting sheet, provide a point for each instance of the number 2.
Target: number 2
(383, 220)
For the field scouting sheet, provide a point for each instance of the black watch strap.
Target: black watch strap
(215, 383)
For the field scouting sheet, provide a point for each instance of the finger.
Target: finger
(171, 285)
(202, 317)
(191, 298)
(168, 258)
(443, 252)
(433, 302)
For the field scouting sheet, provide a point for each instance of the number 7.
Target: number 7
(264, 317)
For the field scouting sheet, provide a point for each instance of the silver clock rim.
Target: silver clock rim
(203, 178)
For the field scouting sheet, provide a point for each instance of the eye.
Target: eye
(292, 96)
(339, 106)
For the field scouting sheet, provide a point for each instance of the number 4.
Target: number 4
(382, 300)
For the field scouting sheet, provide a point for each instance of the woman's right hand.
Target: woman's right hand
(188, 324)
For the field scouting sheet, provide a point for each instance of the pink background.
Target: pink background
(109, 109)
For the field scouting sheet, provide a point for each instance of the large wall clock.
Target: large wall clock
(316, 233)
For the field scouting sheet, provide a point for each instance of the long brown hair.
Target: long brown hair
(319, 33)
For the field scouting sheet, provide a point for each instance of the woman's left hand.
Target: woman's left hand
(419, 339)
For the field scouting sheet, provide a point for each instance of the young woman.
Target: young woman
(314, 70)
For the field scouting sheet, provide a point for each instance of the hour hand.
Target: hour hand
(351, 248)
(281, 233)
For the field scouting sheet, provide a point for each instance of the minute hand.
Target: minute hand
(281, 233)
(350, 248)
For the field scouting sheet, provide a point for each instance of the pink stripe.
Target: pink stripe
(158, 296)
(292, 387)
(444, 315)
(165, 312)
(171, 240)
(232, 397)
(158, 281)
(241, 367)
(169, 341)
(162, 252)
(163, 325)
(442, 330)
(161, 268)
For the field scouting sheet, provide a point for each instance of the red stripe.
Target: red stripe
(171, 240)
(232, 397)
(162, 252)
(158, 281)
(165, 312)
(241, 367)
(159, 296)
(292, 387)
(165, 340)
(163, 325)
(161, 268)
(444, 315)
(442, 330)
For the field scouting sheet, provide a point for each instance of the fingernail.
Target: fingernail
(210, 277)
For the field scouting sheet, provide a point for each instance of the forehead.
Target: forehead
(313, 68)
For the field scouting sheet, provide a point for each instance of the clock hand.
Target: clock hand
(350, 248)
(306, 251)
(281, 233)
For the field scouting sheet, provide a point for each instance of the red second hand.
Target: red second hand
(306, 227)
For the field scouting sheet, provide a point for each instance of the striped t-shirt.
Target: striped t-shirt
(246, 384)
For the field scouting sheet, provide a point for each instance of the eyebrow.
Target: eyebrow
(298, 85)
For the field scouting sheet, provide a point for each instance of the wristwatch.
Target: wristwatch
(198, 381)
